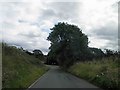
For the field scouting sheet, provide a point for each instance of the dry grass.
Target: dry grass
(103, 73)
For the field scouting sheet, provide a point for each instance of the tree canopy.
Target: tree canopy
(38, 54)
(68, 44)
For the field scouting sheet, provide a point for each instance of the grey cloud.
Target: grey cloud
(10, 9)
(109, 32)
(119, 20)
(115, 6)
(61, 10)
(52, 12)
(30, 34)
(48, 13)
(22, 21)
(30, 44)
(7, 25)
(18, 42)
(35, 23)
(30, 23)
(118, 30)
(66, 10)
(112, 45)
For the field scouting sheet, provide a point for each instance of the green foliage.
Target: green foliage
(38, 54)
(19, 68)
(67, 44)
(96, 53)
(103, 73)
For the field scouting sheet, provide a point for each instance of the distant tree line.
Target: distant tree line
(69, 44)
(36, 53)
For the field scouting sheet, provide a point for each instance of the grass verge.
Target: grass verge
(20, 70)
(103, 73)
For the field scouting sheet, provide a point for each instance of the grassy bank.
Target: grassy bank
(19, 69)
(103, 73)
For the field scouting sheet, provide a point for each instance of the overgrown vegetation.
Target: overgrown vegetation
(103, 73)
(19, 68)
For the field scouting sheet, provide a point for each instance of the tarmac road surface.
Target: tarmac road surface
(56, 78)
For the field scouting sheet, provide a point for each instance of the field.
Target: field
(20, 70)
(103, 73)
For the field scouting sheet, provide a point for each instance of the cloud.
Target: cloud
(109, 31)
(27, 23)
(105, 37)
(19, 26)
(66, 10)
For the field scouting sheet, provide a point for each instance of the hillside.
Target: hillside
(103, 73)
(19, 68)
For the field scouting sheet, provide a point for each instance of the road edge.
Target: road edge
(37, 80)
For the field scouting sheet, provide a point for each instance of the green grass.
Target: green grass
(103, 73)
(20, 70)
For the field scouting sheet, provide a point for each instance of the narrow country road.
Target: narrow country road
(56, 78)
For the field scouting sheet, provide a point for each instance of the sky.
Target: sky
(27, 23)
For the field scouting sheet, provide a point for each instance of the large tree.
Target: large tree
(68, 44)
